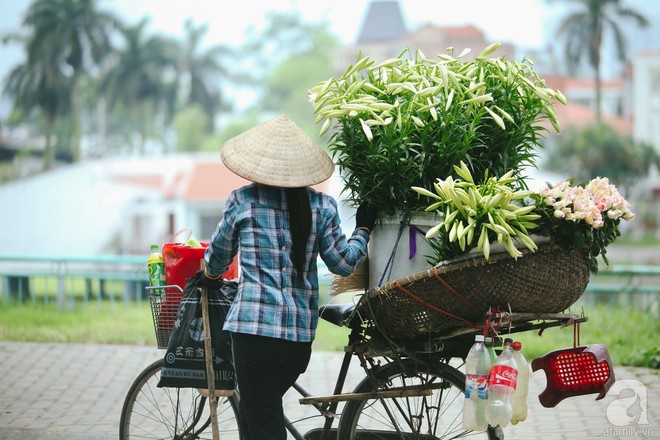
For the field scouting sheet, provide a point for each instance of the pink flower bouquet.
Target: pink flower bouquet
(582, 216)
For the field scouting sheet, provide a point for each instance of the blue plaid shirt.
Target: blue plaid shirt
(270, 301)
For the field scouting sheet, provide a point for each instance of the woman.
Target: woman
(278, 225)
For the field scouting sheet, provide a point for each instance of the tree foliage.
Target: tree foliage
(75, 36)
(38, 88)
(200, 72)
(582, 32)
(137, 78)
(599, 151)
(88, 73)
(190, 128)
(295, 56)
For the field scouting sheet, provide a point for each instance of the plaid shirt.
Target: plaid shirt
(270, 301)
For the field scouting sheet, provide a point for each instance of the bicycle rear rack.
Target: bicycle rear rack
(457, 343)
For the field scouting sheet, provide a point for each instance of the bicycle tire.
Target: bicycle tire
(438, 416)
(150, 412)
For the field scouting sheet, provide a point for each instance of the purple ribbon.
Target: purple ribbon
(412, 240)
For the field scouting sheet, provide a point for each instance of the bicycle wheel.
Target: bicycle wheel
(438, 416)
(150, 412)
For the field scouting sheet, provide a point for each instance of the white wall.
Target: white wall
(69, 211)
(646, 99)
(81, 210)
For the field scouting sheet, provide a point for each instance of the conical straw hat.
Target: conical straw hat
(277, 153)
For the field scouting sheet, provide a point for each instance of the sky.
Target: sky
(228, 25)
(528, 24)
(517, 21)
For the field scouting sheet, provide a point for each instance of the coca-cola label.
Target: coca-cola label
(503, 375)
(476, 386)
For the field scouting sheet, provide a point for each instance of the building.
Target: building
(119, 206)
(646, 111)
(646, 97)
(384, 34)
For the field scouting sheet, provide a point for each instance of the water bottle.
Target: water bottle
(520, 395)
(477, 368)
(156, 267)
(501, 385)
(491, 351)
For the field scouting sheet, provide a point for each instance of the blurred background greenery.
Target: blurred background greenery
(630, 334)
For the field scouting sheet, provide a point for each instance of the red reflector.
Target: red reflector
(574, 372)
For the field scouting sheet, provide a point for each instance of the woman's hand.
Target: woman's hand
(366, 217)
(210, 283)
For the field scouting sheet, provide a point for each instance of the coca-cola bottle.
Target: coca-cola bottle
(477, 368)
(520, 395)
(501, 385)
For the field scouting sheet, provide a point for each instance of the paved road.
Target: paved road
(75, 392)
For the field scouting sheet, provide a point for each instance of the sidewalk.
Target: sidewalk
(76, 391)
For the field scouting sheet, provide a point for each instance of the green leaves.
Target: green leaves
(490, 211)
(407, 120)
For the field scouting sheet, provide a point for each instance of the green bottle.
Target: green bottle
(156, 266)
(490, 349)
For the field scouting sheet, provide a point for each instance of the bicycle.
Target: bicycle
(411, 389)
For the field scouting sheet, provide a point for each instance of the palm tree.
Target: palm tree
(78, 31)
(138, 79)
(583, 31)
(39, 86)
(200, 71)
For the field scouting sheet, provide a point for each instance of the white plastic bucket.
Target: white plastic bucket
(383, 240)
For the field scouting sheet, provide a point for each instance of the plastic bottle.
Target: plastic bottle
(156, 267)
(491, 350)
(501, 385)
(520, 395)
(477, 368)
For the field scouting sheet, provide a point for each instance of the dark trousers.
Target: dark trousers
(265, 369)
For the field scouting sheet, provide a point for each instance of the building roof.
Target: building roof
(204, 180)
(579, 116)
(384, 28)
(383, 22)
(148, 181)
(467, 31)
(432, 39)
(210, 181)
(567, 84)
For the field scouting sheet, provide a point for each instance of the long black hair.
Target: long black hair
(300, 221)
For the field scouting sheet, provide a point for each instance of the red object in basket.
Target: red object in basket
(232, 270)
(575, 372)
(183, 262)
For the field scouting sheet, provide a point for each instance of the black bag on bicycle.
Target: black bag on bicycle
(184, 364)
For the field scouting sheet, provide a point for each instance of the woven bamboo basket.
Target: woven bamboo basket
(460, 292)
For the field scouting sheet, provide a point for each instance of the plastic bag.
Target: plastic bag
(185, 362)
(181, 261)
